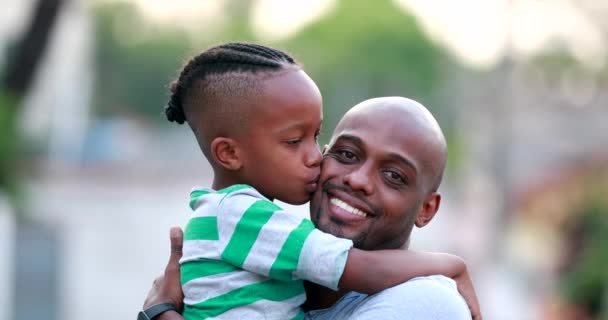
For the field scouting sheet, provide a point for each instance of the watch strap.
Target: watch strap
(155, 310)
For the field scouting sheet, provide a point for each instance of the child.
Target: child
(256, 116)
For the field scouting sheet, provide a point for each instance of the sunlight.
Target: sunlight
(474, 30)
(277, 19)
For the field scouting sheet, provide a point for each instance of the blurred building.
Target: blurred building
(537, 147)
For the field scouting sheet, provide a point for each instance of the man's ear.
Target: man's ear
(428, 210)
(226, 153)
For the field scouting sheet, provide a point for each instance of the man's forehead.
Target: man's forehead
(392, 117)
(378, 126)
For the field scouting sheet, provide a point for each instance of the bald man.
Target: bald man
(385, 158)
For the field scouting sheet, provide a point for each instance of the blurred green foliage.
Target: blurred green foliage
(134, 61)
(585, 283)
(365, 49)
(8, 143)
(361, 49)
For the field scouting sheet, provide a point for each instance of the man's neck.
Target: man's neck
(319, 297)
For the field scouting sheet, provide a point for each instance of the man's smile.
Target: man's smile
(346, 207)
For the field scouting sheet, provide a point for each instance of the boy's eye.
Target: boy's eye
(293, 141)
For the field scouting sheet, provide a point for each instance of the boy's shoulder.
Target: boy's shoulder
(241, 193)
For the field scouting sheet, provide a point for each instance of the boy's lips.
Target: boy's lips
(312, 185)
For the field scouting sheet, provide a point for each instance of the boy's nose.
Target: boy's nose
(313, 157)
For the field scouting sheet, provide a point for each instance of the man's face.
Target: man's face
(374, 179)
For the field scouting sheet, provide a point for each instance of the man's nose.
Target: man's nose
(359, 179)
(313, 156)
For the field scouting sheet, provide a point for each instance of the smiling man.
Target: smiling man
(379, 177)
(386, 158)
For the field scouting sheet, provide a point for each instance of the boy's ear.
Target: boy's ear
(428, 210)
(225, 152)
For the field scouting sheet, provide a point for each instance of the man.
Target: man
(379, 178)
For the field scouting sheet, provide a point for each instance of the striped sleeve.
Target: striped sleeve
(257, 236)
(264, 239)
(323, 259)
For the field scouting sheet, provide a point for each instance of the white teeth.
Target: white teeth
(346, 207)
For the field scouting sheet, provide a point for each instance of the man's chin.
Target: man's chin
(341, 231)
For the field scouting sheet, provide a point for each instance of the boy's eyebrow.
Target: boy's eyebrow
(296, 126)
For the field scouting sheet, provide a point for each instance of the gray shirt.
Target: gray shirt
(434, 297)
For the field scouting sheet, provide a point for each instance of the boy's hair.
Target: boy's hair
(224, 61)
(215, 88)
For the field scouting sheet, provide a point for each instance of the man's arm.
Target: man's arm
(167, 287)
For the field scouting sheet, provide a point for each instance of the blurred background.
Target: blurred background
(92, 175)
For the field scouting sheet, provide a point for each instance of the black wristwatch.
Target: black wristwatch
(155, 311)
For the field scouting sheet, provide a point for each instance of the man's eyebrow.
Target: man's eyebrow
(399, 158)
(353, 139)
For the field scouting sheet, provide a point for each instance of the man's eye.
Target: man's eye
(343, 155)
(394, 177)
(347, 154)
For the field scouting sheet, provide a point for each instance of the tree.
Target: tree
(364, 49)
(17, 79)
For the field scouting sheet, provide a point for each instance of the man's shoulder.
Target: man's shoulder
(432, 297)
(437, 282)
(434, 288)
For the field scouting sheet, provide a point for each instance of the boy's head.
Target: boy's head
(255, 115)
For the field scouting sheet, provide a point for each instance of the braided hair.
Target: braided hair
(224, 59)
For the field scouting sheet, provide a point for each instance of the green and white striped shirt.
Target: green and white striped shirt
(245, 258)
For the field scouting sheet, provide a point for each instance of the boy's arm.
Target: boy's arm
(170, 315)
(374, 271)
(467, 291)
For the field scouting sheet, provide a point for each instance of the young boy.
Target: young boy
(256, 116)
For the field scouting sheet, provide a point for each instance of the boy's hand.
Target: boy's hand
(465, 287)
(167, 287)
